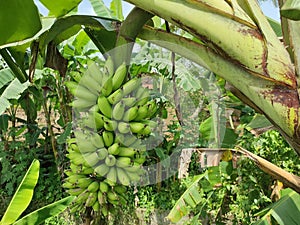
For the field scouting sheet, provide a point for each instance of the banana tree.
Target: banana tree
(262, 71)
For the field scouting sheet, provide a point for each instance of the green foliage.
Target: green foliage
(23, 196)
(284, 211)
(58, 9)
(21, 14)
(291, 10)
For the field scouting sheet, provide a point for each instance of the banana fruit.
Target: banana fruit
(105, 155)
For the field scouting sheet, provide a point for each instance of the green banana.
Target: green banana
(108, 138)
(72, 86)
(127, 151)
(129, 101)
(116, 96)
(104, 106)
(68, 172)
(133, 168)
(68, 185)
(87, 170)
(74, 178)
(75, 157)
(94, 72)
(92, 198)
(104, 210)
(122, 200)
(96, 206)
(102, 153)
(84, 142)
(88, 122)
(101, 197)
(98, 120)
(114, 149)
(118, 110)
(83, 93)
(90, 84)
(91, 159)
(103, 187)
(130, 114)
(131, 85)
(102, 169)
(123, 161)
(139, 159)
(73, 147)
(123, 127)
(110, 160)
(146, 131)
(111, 195)
(119, 76)
(109, 67)
(97, 140)
(126, 140)
(142, 112)
(107, 87)
(152, 108)
(76, 191)
(84, 182)
(110, 182)
(123, 177)
(82, 104)
(136, 127)
(76, 76)
(93, 187)
(76, 168)
(120, 189)
(110, 125)
(112, 176)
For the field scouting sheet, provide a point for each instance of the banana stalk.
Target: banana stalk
(251, 57)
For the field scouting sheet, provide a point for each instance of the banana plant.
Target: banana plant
(22, 198)
(252, 59)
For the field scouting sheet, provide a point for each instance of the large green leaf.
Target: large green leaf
(103, 39)
(61, 25)
(19, 20)
(286, 211)
(60, 8)
(190, 198)
(275, 26)
(6, 75)
(291, 9)
(13, 91)
(100, 8)
(23, 195)
(258, 121)
(116, 9)
(40, 215)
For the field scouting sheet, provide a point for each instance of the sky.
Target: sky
(86, 8)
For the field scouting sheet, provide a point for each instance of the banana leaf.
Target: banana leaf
(13, 91)
(18, 14)
(23, 195)
(285, 211)
(291, 9)
(40, 215)
(190, 198)
(116, 9)
(60, 8)
(100, 8)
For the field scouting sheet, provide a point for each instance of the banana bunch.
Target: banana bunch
(107, 152)
(91, 190)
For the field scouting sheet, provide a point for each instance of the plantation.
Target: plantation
(162, 116)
